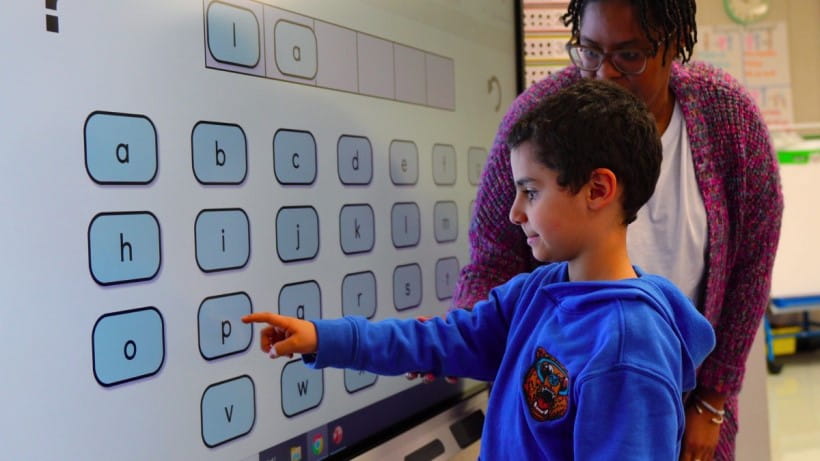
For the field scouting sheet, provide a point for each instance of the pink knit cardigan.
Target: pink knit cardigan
(738, 177)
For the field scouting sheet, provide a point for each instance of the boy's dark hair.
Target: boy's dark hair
(595, 124)
(663, 22)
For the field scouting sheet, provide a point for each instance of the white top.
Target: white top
(669, 236)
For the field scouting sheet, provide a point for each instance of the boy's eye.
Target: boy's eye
(530, 194)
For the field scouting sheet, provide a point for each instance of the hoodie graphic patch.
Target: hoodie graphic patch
(546, 387)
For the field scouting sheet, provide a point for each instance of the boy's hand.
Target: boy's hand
(284, 335)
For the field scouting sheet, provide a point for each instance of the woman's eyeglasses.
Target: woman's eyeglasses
(627, 61)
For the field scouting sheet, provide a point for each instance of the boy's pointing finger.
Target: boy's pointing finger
(263, 317)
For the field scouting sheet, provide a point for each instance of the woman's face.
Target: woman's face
(611, 25)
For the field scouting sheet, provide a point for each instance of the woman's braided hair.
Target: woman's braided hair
(663, 21)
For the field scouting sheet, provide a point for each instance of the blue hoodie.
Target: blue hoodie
(581, 370)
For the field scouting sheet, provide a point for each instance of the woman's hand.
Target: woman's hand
(701, 434)
(284, 335)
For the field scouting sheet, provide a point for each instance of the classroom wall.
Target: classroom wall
(802, 18)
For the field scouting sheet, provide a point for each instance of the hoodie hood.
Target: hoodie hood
(696, 334)
(677, 314)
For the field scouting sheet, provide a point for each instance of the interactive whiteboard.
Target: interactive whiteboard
(171, 165)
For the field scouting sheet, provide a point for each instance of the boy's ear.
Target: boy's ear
(602, 188)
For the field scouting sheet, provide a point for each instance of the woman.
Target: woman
(712, 225)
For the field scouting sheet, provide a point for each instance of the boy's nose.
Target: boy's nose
(516, 217)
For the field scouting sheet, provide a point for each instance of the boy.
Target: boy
(589, 357)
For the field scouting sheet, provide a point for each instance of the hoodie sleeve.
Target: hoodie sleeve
(627, 413)
(465, 343)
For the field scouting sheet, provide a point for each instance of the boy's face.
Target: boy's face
(551, 217)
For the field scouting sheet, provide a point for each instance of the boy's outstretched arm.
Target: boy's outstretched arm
(466, 343)
(284, 335)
